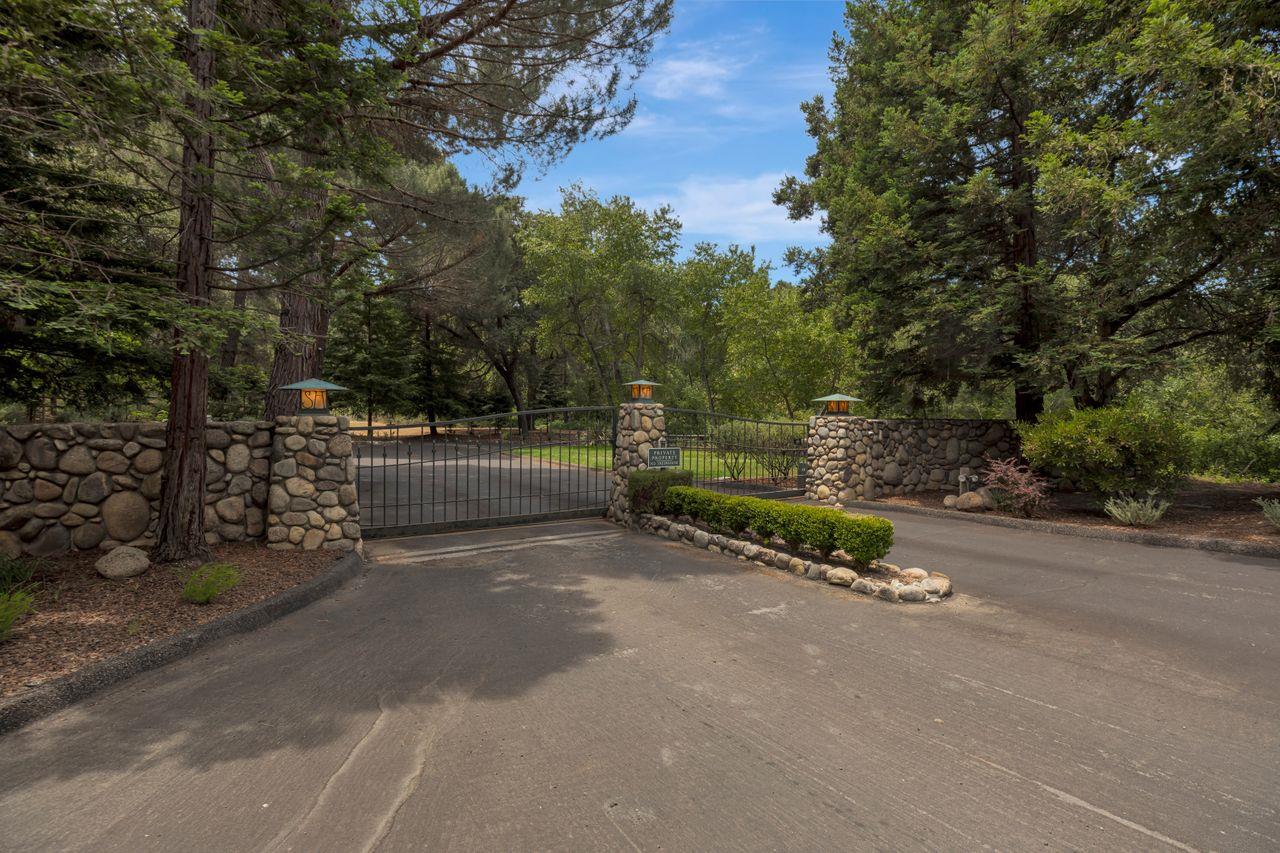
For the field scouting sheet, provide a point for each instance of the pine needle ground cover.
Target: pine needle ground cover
(80, 617)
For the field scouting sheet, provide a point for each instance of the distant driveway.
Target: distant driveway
(577, 687)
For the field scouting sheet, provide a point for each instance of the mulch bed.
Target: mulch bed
(82, 617)
(1201, 509)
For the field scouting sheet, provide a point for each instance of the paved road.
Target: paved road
(575, 687)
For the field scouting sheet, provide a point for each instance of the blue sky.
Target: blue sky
(717, 126)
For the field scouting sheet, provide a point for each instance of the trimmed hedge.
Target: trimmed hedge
(863, 537)
(646, 487)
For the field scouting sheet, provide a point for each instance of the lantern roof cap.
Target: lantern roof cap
(312, 385)
(641, 382)
(833, 398)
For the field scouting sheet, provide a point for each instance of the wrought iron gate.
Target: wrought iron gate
(740, 456)
(484, 471)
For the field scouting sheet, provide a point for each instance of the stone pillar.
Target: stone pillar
(312, 499)
(830, 453)
(640, 426)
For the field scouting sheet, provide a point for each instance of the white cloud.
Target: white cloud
(734, 209)
(690, 76)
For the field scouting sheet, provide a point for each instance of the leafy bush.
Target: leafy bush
(864, 538)
(673, 500)
(14, 604)
(1114, 450)
(766, 518)
(1230, 430)
(1270, 509)
(646, 488)
(1134, 512)
(736, 513)
(1015, 486)
(730, 442)
(209, 581)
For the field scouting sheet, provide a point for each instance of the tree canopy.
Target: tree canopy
(1052, 195)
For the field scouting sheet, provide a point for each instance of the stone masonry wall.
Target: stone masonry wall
(312, 501)
(84, 486)
(863, 459)
(640, 427)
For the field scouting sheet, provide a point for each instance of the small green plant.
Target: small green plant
(645, 489)
(1271, 510)
(132, 627)
(1136, 512)
(15, 572)
(209, 581)
(14, 604)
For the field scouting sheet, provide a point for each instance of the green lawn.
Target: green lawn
(705, 464)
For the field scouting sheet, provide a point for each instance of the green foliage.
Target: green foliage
(782, 352)
(16, 572)
(864, 538)
(1117, 449)
(602, 270)
(1270, 510)
(1134, 511)
(817, 527)
(14, 604)
(1047, 195)
(646, 488)
(736, 513)
(209, 581)
(1231, 432)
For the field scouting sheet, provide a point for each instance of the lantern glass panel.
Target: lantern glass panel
(313, 399)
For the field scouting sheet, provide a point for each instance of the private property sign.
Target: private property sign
(664, 457)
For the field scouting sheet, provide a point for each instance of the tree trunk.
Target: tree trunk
(1028, 396)
(428, 357)
(180, 531)
(300, 355)
(231, 346)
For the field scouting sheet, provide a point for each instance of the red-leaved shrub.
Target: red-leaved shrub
(1015, 487)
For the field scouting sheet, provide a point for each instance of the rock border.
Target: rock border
(914, 585)
(1138, 537)
(63, 692)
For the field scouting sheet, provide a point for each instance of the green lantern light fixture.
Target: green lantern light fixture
(314, 395)
(640, 390)
(836, 404)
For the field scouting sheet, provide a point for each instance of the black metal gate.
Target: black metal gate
(485, 471)
(740, 456)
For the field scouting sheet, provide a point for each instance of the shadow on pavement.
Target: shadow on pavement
(488, 627)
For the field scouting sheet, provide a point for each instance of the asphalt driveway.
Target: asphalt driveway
(576, 687)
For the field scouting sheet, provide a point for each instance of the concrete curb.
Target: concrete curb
(69, 689)
(1140, 537)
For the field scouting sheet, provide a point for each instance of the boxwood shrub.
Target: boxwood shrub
(863, 537)
(646, 487)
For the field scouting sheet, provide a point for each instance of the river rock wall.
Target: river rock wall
(81, 486)
(853, 458)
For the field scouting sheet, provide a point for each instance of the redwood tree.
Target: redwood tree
(180, 534)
